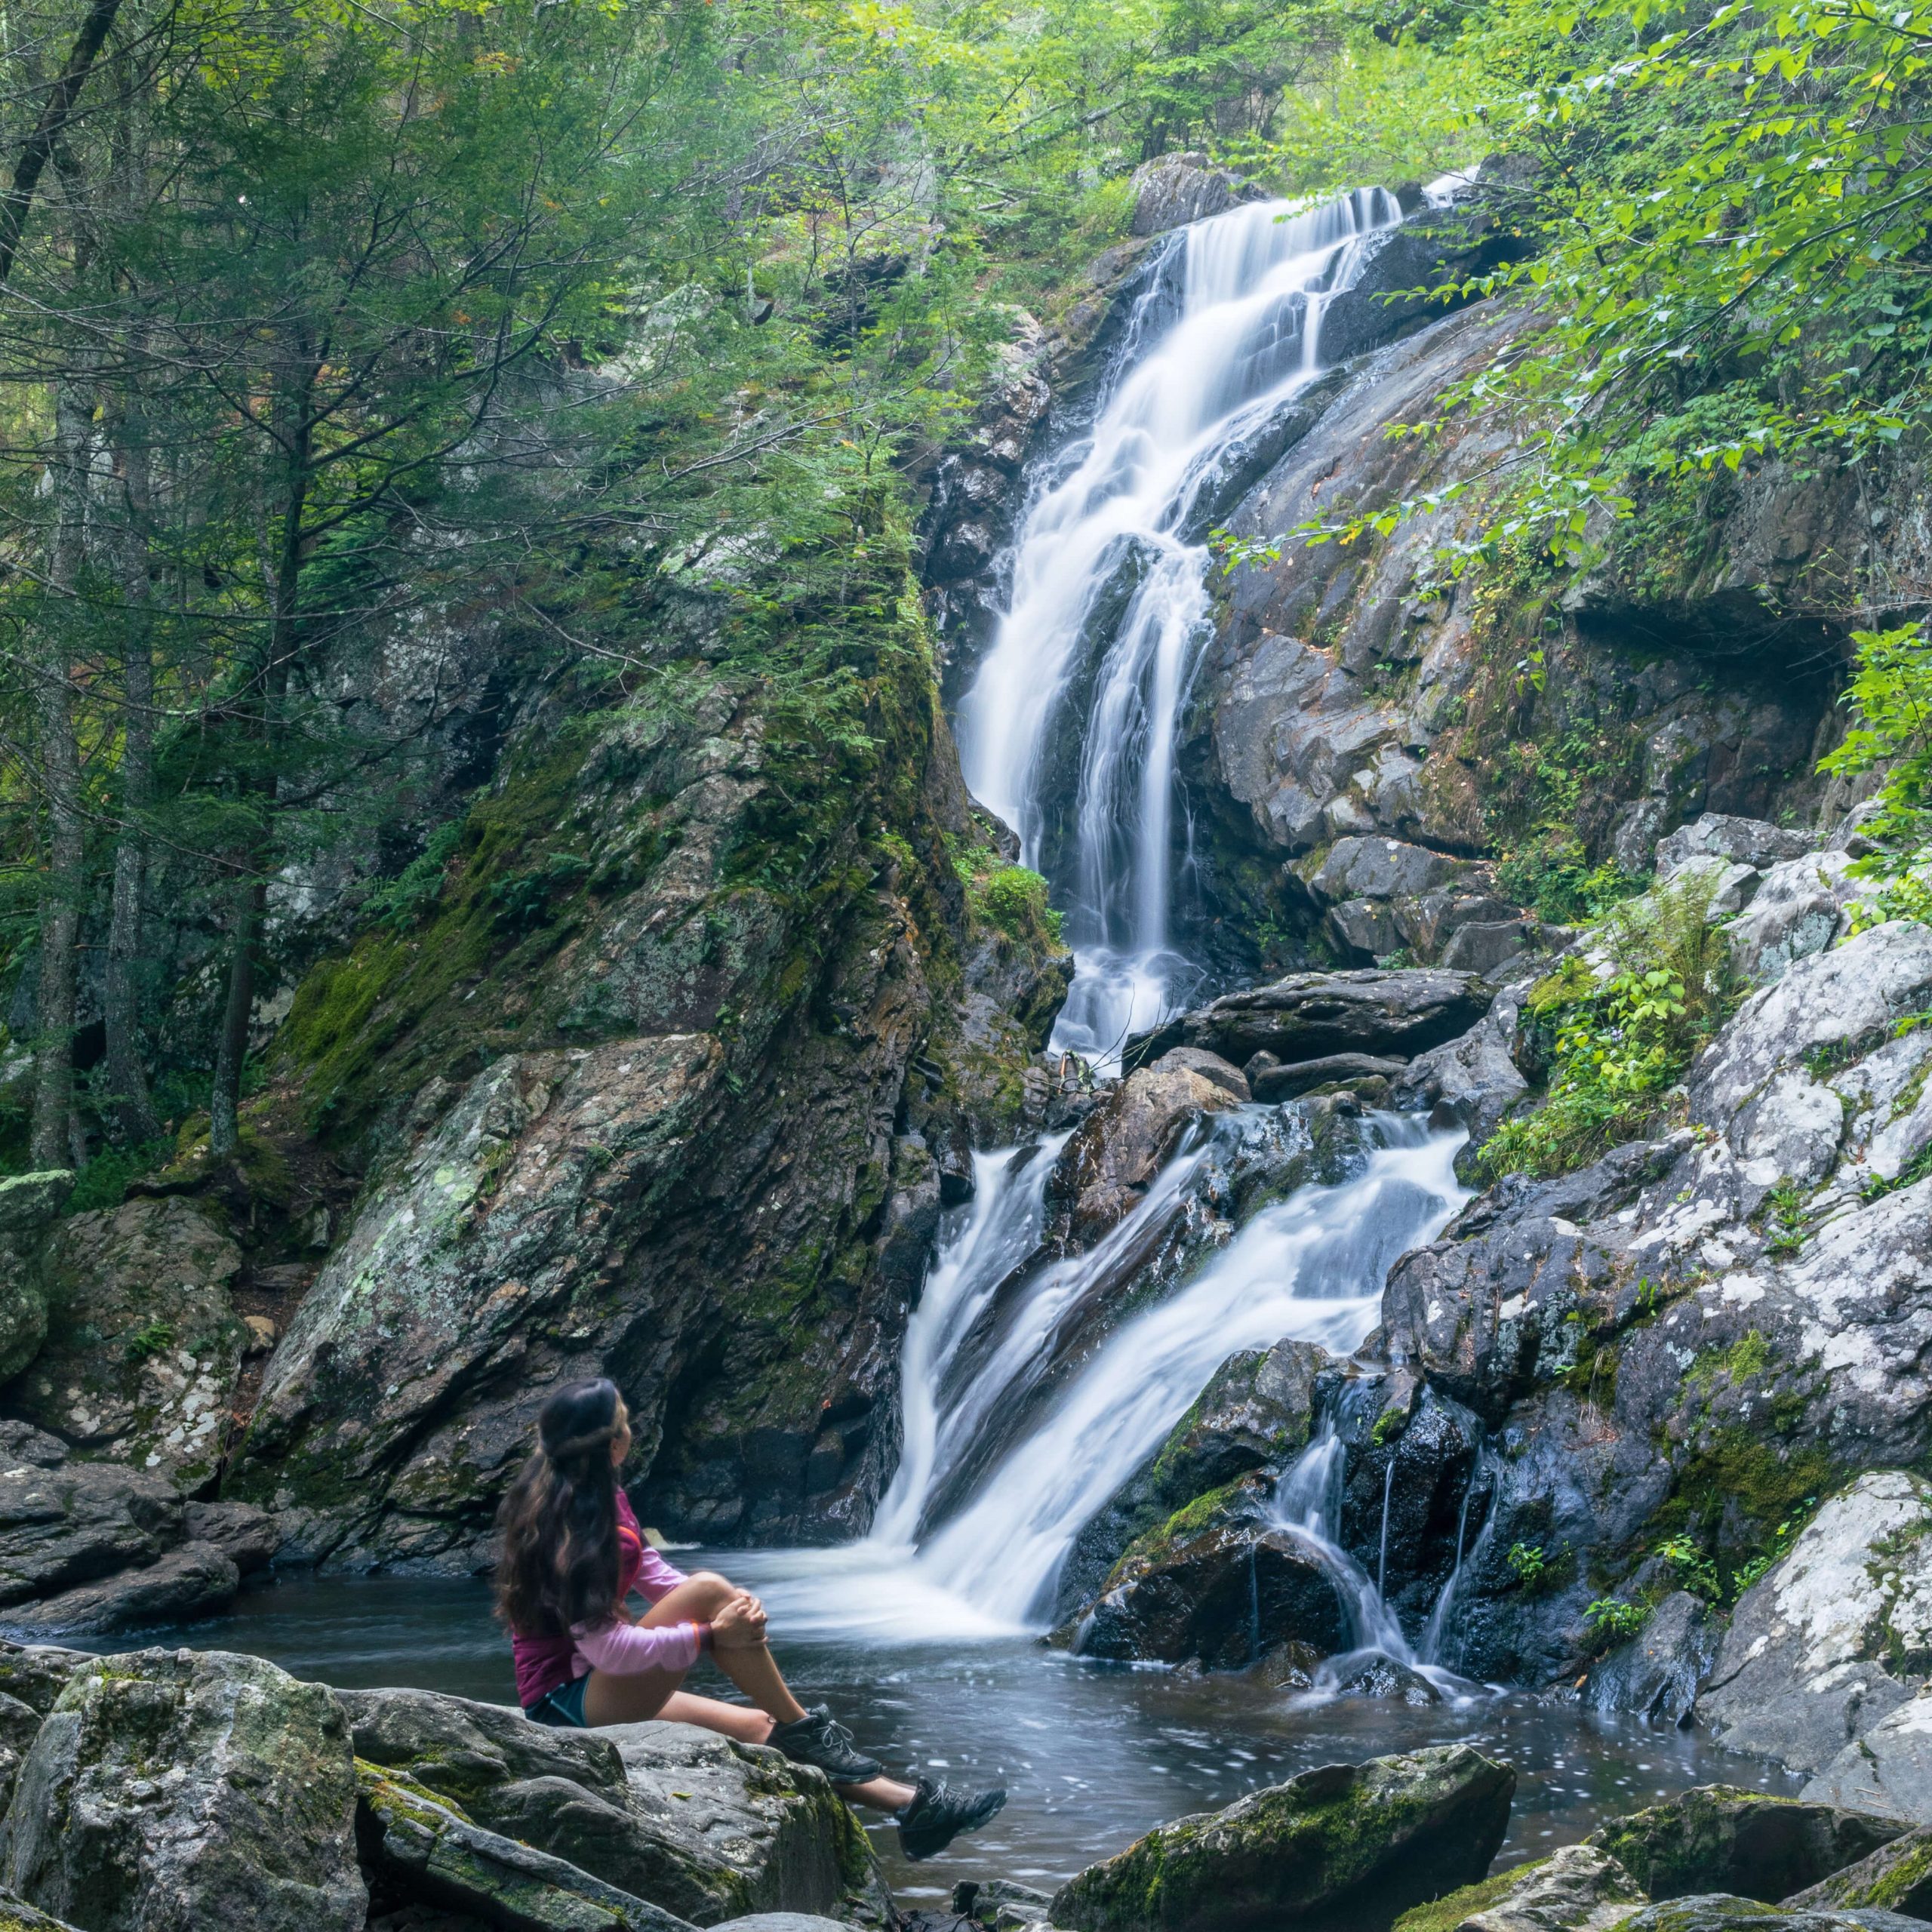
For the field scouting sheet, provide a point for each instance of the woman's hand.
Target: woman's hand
(739, 1625)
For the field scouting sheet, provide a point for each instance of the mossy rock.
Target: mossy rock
(1717, 1839)
(1347, 1845)
(1896, 1877)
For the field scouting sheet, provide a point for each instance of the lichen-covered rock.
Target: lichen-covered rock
(706, 1829)
(20, 1725)
(1796, 912)
(147, 1347)
(34, 1675)
(1177, 188)
(1888, 1768)
(1744, 842)
(16, 1915)
(194, 1579)
(419, 1847)
(1728, 1911)
(1714, 1837)
(1896, 1877)
(1347, 1845)
(79, 1522)
(1812, 1658)
(1578, 1889)
(1215, 1583)
(1307, 1015)
(28, 1205)
(172, 1790)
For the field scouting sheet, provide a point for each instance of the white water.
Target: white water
(1311, 1267)
(1253, 283)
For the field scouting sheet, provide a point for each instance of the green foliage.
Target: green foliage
(103, 1182)
(401, 903)
(1786, 1206)
(1539, 1571)
(1890, 692)
(1010, 898)
(1610, 1621)
(150, 1339)
(1622, 1043)
(1693, 1569)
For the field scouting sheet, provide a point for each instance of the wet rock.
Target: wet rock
(1744, 842)
(1896, 1877)
(28, 1204)
(1577, 1889)
(1254, 1416)
(706, 1829)
(168, 1789)
(1809, 1663)
(419, 1847)
(784, 1921)
(21, 1442)
(77, 1523)
(1384, 1677)
(146, 1347)
(248, 1536)
(1473, 1081)
(1888, 1768)
(1716, 1838)
(1216, 1584)
(1120, 1146)
(1277, 1082)
(1177, 188)
(1308, 1016)
(1659, 1673)
(195, 1579)
(1346, 1845)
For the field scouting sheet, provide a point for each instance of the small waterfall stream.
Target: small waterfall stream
(1108, 602)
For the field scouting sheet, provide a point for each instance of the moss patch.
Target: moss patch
(1445, 1914)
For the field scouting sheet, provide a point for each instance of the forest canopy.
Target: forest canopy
(319, 318)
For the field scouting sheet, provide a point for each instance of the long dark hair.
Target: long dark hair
(559, 1521)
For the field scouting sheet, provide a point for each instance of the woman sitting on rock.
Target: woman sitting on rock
(573, 1553)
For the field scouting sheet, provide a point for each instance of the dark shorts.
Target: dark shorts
(563, 1707)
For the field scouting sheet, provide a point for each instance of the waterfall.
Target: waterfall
(1109, 602)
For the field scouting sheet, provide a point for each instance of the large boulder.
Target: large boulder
(1308, 1016)
(421, 1849)
(1888, 1768)
(1728, 1911)
(1659, 1672)
(709, 1829)
(146, 1347)
(1218, 1584)
(1814, 1653)
(1896, 1877)
(1796, 912)
(1714, 1837)
(1744, 842)
(1578, 1889)
(1176, 189)
(1348, 1845)
(1116, 1152)
(172, 1790)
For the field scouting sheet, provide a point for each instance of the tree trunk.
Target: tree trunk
(231, 1049)
(52, 1137)
(128, 1094)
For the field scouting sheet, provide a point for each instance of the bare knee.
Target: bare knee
(711, 1591)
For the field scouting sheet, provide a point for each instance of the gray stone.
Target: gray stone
(1805, 1668)
(1888, 1767)
(1745, 842)
(34, 1675)
(1896, 1877)
(1211, 1066)
(1177, 188)
(194, 1579)
(1346, 1845)
(1482, 945)
(169, 1790)
(16, 1915)
(1308, 1016)
(77, 1523)
(1725, 1911)
(21, 1442)
(1796, 912)
(1473, 1080)
(705, 1828)
(1380, 868)
(782, 1922)
(1715, 1838)
(248, 1536)
(421, 1847)
(20, 1725)
(1118, 1149)
(29, 1202)
(1578, 1889)
(146, 1347)
(1659, 1673)
(1289, 1083)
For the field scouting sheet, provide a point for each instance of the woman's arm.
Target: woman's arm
(627, 1650)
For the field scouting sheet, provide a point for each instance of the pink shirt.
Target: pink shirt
(544, 1664)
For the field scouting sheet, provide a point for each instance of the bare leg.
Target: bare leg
(754, 1727)
(630, 1698)
(754, 1671)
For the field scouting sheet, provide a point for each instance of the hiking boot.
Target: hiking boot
(818, 1738)
(938, 1814)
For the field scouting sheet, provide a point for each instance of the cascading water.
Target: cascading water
(1310, 1267)
(1108, 602)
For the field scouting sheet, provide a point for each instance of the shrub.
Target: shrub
(1610, 1620)
(1623, 1041)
